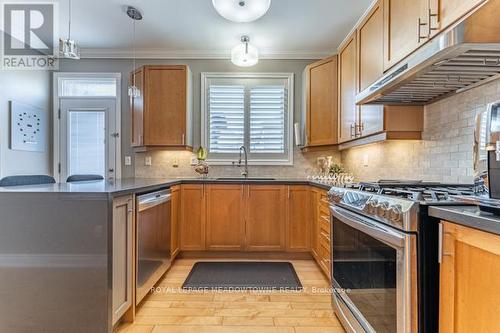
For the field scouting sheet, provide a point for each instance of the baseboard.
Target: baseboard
(244, 255)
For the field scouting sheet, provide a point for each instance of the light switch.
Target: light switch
(128, 160)
(148, 161)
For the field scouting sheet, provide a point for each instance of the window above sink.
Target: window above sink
(254, 110)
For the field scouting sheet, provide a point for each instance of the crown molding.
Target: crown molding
(93, 53)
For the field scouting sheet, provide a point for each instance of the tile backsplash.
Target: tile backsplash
(167, 164)
(444, 154)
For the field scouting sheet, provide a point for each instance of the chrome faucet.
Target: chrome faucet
(245, 171)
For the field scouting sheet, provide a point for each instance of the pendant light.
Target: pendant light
(67, 47)
(245, 54)
(242, 11)
(135, 15)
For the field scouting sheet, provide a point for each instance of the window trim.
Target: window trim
(206, 76)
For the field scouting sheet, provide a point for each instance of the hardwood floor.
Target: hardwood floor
(172, 310)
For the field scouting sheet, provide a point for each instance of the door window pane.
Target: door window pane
(86, 143)
(88, 87)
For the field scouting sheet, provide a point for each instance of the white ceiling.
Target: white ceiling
(193, 29)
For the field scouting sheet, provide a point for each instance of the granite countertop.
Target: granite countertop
(469, 216)
(142, 185)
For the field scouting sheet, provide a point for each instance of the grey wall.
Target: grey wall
(31, 88)
(124, 66)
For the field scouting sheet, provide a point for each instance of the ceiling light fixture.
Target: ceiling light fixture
(245, 54)
(68, 47)
(135, 15)
(242, 11)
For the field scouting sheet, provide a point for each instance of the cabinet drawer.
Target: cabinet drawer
(324, 242)
(324, 225)
(324, 211)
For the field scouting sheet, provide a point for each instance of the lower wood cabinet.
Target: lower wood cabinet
(123, 256)
(320, 231)
(470, 284)
(225, 230)
(192, 231)
(265, 214)
(298, 222)
(175, 219)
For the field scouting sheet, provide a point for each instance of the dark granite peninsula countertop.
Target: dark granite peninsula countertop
(142, 185)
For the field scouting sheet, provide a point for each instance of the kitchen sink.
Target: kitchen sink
(243, 178)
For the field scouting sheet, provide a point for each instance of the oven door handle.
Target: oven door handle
(370, 227)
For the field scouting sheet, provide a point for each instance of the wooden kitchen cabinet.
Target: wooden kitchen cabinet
(406, 27)
(175, 219)
(444, 13)
(348, 110)
(470, 287)
(224, 213)
(162, 114)
(321, 103)
(123, 257)
(192, 231)
(370, 39)
(298, 222)
(265, 215)
(320, 231)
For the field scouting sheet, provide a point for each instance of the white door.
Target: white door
(88, 137)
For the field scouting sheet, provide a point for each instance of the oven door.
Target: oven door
(374, 274)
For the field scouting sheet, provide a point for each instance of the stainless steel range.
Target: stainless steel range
(385, 270)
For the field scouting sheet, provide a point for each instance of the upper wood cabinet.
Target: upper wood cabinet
(443, 13)
(470, 287)
(321, 103)
(406, 28)
(348, 110)
(225, 225)
(265, 215)
(162, 114)
(370, 39)
(192, 231)
(298, 222)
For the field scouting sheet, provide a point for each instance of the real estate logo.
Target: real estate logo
(29, 36)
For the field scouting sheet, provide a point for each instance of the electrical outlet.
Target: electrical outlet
(176, 163)
(194, 160)
(365, 160)
(148, 161)
(128, 160)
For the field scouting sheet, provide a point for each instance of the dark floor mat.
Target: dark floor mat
(243, 275)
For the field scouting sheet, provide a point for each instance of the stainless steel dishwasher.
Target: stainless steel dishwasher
(153, 240)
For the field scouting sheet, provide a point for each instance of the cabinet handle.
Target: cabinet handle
(140, 140)
(420, 25)
(183, 139)
(431, 29)
(288, 192)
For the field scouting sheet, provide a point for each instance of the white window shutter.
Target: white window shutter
(226, 118)
(267, 119)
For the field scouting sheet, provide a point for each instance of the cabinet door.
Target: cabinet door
(406, 28)
(193, 217)
(322, 103)
(123, 258)
(175, 219)
(137, 109)
(470, 287)
(298, 226)
(225, 224)
(450, 11)
(166, 104)
(347, 91)
(370, 36)
(265, 218)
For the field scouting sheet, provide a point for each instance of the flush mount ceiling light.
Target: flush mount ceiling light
(135, 15)
(68, 47)
(242, 11)
(245, 54)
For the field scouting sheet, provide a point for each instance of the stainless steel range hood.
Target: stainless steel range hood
(463, 57)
